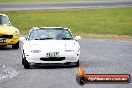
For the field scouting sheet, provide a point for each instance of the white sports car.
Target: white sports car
(50, 46)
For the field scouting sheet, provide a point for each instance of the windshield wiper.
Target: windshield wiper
(43, 38)
(67, 38)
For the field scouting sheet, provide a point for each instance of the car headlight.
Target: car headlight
(35, 51)
(16, 32)
(69, 50)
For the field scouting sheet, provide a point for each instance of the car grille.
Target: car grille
(6, 36)
(53, 59)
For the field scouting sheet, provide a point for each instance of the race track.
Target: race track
(65, 5)
(97, 56)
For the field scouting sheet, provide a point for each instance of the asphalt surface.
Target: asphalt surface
(65, 5)
(97, 56)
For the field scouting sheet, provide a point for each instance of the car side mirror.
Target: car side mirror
(9, 23)
(27, 37)
(77, 37)
(22, 39)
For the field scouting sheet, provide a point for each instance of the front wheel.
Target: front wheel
(77, 63)
(23, 59)
(26, 64)
(15, 46)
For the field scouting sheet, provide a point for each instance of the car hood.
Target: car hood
(51, 44)
(5, 29)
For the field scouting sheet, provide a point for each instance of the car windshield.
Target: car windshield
(4, 20)
(50, 33)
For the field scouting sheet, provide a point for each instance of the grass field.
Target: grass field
(45, 0)
(116, 21)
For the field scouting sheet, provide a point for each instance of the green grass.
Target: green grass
(116, 21)
(45, 0)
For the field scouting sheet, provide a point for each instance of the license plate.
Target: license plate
(52, 54)
(2, 40)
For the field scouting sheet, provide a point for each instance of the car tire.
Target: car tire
(15, 46)
(26, 64)
(23, 59)
(77, 63)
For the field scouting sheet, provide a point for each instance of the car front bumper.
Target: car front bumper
(67, 58)
(11, 41)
